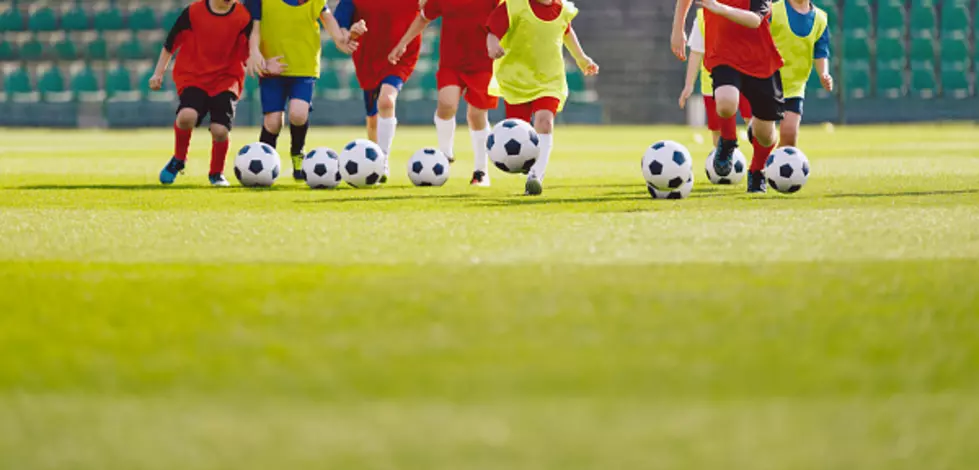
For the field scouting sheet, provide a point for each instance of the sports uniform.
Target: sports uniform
(696, 43)
(800, 38)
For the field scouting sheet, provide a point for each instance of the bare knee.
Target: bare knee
(187, 118)
(386, 104)
(788, 138)
(298, 117)
(478, 118)
(447, 109)
(219, 133)
(544, 122)
(273, 122)
(764, 133)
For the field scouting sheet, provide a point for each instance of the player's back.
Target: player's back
(463, 44)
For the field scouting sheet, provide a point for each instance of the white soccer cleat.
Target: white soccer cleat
(480, 179)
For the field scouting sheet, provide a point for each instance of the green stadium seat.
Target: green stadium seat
(251, 88)
(18, 81)
(891, 19)
(923, 52)
(109, 19)
(832, 12)
(856, 48)
(856, 79)
(857, 20)
(118, 80)
(170, 18)
(11, 20)
(42, 19)
(7, 51)
(890, 82)
(84, 81)
(955, 20)
(51, 81)
(331, 53)
(955, 83)
(143, 19)
(923, 82)
(32, 49)
(923, 23)
(76, 19)
(891, 51)
(955, 53)
(65, 49)
(130, 49)
(97, 48)
(330, 87)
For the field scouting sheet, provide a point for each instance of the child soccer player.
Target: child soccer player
(290, 30)
(741, 56)
(212, 39)
(526, 37)
(381, 81)
(464, 67)
(801, 32)
(695, 65)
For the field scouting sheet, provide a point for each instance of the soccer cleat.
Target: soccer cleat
(297, 167)
(451, 158)
(534, 186)
(169, 173)
(481, 179)
(218, 180)
(387, 172)
(756, 182)
(724, 157)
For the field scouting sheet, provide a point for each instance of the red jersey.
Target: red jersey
(463, 45)
(749, 51)
(499, 21)
(387, 22)
(212, 48)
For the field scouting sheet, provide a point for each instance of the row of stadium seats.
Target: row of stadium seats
(922, 18)
(82, 17)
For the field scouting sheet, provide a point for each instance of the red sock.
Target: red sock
(219, 151)
(761, 154)
(181, 143)
(729, 128)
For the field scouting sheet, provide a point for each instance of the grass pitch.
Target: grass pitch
(454, 328)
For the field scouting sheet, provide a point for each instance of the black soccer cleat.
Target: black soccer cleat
(756, 183)
(724, 157)
(480, 178)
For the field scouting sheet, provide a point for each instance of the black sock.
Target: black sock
(268, 137)
(298, 137)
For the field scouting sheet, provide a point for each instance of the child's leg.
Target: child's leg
(445, 118)
(545, 110)
(300, 103)
(479, 130)
(222, 110)
(387, 121)
(219, 148)
(713, 120)
(192, 108)
(789, 128)
(183, 127)
(273, 93)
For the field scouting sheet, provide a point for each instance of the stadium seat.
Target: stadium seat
(331, 53)
(118, 80)
(891, 19)
(11, 20)
(32, 49)
(857, 20)
(251, 88)
(923, 82)
(42, 19)
(64, 49)
(7, 52)
(97, 48)
(832, 12)
(142, 19)
(890, 82)
(18, 82)
(84, 81)
(955, 83)
(130, 49)
(955, 19)
(856, 48)
(76, 19)
(891, 52)
(923, 23)
(108, 19)
(51, 81)
(923, 52)
(330, 87)
(857, 80)
(955, 53)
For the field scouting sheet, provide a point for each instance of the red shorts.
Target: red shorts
(525, 111)
(714, 121)
(475, 86)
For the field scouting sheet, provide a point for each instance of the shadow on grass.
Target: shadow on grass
(388, 198)
(906, 193)
(149, 187)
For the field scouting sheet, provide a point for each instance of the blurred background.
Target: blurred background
(83, 63)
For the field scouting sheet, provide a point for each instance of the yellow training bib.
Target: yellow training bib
(797, 52)
(533, 66)
(293, 32)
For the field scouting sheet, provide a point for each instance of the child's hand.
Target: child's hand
(678, 43)
(156, 81)
(685, 95)
(827, 81)
(275, 66)
(494, 48)
(255, 65)
(395, 56)
(588, 66)
(358, 29)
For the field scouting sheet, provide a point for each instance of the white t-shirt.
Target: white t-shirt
(696, 40)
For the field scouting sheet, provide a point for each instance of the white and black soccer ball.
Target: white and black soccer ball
(681, 193)
(739, 168)
(428, 167)
(666, 165)
(787, 170)
(257, 165)
(322, 168)
(513, 146)
(362, 163)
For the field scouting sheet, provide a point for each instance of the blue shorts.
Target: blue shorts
(794, 105)
(277, 91)
(370, 96)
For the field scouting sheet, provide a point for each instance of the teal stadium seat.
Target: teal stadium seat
(143, 19)
(890, 82)
(51, 81)
(955, 20)
(65, 49)
(76, 19)
(857, 20)
(11, 20)
(18, 82)
(130, 49)
(84, 81)
(109, 19)
(32, 49)
(923, 52)
(956, 83)
(923, 81)
(891, 52)
(7, 51)
(97, 48)
(118, 80)
(856, 80)
(923, 23)
(42, 19)
(891, 19)
(955, 53)
(856, 48)
(832, 13)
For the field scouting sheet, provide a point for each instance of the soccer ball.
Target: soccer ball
(738, 169)
(681, 193)
(667, 165)
(362, 163)
(257, 165)
(322, 168)
(428, 167)
(787, 169)
(513, 146)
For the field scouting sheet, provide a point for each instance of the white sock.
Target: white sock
(385, 133)
(446, 130)
(540, 166)
(479, 149)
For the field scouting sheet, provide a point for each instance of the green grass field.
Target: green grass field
(457, 328)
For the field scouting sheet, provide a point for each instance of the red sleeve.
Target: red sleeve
(432, 10)
(499, 21)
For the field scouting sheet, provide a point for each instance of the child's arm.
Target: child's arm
(255, 65)
(169, 47)
(156, 81)
(585, 63)
(678, 38)
(414, 30)
(748, 18)
(693, 68)
(821, 61)
(342, 38)
(496, 27)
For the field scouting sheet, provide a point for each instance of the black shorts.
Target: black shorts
(794, 105)
(764, 94)
(221, 107)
